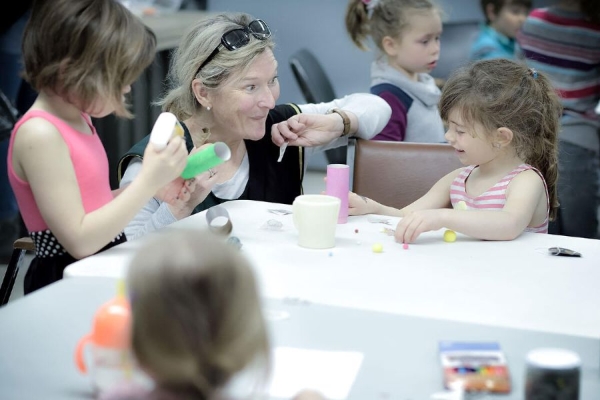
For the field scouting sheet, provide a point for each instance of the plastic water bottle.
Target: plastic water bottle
(112, 362)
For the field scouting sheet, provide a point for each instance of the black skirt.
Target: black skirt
(51, 259)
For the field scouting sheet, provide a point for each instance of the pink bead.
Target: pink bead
(405, 246)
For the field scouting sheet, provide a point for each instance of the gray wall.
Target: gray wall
(319, 25)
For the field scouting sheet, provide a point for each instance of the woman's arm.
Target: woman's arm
(155, 215)
(371, 111)
(316, 130)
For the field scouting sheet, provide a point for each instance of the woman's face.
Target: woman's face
(241, 106)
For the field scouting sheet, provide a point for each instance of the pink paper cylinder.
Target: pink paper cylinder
(338, 185)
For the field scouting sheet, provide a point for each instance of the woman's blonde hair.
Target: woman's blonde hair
(197, 316)
(503, 93)
(381, 18)
(195, 48)
(84, 50)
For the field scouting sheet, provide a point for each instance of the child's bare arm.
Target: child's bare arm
(42, 158)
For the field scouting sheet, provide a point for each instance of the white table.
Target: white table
(514, 284)
(39, 332)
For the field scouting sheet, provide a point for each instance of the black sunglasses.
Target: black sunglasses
(239, 37)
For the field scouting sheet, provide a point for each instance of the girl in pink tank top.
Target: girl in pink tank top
(81, 57)
(503, 121)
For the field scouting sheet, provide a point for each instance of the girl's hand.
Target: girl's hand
(359, 205)
(412, 225)
(184, 196)
(308, 394)
(308, 130)
(162, 167)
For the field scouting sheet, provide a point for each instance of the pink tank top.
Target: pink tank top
(89, 161)
(495, 197)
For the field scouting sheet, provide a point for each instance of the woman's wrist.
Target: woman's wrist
(344, 119)
(180, 212)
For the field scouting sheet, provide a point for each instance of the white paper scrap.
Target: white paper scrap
(332, 373)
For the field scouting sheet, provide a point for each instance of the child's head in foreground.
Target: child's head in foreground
(197, 317)
(507, 108)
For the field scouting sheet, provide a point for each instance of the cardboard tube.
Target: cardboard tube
(218, 220)
(203, 160)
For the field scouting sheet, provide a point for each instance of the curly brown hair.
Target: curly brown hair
(504, 93)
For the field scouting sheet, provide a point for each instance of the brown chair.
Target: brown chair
(398, 173)
(20, 247)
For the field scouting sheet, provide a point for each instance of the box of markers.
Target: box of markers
(474, 366)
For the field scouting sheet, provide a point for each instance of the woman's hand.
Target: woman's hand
(183, 196)
(309, 130)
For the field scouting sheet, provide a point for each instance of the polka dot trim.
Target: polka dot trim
(46, 244)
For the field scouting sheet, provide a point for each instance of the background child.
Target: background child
(563, 41)
(407, 32)
(81, 57)
(503, 123)
(503, 20)
(197, 321)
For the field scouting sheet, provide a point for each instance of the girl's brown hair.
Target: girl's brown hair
(85, 50)
(381, 18)
(197, 316)
(503, 93)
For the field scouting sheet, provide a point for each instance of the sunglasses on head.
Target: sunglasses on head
(239, 37)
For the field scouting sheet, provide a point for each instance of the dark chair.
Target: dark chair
(398, 173)
(455, 44)
(20, 247)
(316, 88)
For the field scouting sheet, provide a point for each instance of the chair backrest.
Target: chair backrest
(316, 88)
(398, 173)
(311, 77)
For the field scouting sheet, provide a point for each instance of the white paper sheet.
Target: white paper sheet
(330, 372)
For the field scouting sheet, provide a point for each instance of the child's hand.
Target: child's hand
(412, 225)
(184, 196)
(162, 167)
(308, 394)
(359, 205)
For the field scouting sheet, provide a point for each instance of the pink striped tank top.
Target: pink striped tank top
(495, 197)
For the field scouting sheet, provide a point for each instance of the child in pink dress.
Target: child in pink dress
(503, 121)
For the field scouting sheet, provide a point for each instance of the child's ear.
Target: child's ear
(503, 137)
(389, 46)
(200, 93)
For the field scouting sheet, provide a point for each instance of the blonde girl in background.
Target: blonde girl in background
(407, 35)
(503, 121)
(197, 321)
(81, 56)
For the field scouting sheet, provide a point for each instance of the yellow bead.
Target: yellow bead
(461, 205)
(449, 236)
(377, 248)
